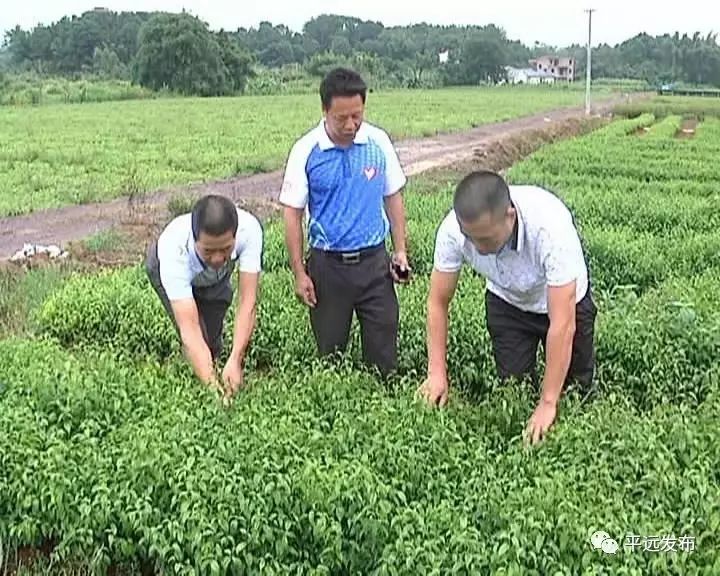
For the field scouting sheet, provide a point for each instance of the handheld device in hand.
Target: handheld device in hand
(403, 273)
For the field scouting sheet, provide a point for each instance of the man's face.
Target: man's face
(489, 232)
(343, 118)
(215, 250)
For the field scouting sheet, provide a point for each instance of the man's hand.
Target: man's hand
(233, 377)
(434, 390)
(215, 385)
(305, 289)
(541, 421)
(399, 260)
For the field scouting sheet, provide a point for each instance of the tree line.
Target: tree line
(179, 52)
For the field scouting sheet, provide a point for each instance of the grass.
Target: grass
(32, 90)
(104, 241)
(52, 156)
(22, 291)
(181, 204)
(663, 106)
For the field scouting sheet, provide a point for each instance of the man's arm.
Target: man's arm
(245, 315)
(304, 287)
(561, 254)
(562, 257)
(194, 346)
(447, 263)
(294, 238)
(294, 195)
(395, 181)
(442, 290)
(396, 214)
(561, 310)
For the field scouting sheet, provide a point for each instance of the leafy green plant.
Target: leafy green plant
(323, 470)
(111, 450)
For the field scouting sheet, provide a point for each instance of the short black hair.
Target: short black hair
(480, 192)
(341, 82)
(215, 215)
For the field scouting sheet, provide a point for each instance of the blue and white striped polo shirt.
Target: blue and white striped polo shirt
(343, 188)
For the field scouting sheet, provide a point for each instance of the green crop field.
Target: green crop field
(57, 155)
(111, 451)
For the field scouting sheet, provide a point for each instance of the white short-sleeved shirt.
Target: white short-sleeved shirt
(548, 252)
(343, 189)
(181, 268)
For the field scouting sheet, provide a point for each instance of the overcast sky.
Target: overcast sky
(556, 22)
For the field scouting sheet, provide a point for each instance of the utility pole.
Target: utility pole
(589, 62)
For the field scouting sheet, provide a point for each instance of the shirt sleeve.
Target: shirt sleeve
(175, 274)
(395, 177)
(561, 255)
(448, 255)
(294, 190)
(251, 252)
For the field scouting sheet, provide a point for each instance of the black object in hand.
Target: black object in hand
(402, 273)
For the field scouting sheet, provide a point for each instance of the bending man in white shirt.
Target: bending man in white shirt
(523, 240)
(190, 266)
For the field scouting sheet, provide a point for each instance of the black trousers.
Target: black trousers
(212, 303)
(515, 335)
(364, 286)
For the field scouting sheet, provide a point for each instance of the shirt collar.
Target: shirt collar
(361, 137)
(518, 236)
(520, 228)
(515, 242)
(512, 242)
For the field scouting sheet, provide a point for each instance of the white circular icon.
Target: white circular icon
(597, 539)
(609, 546)
(601, 541)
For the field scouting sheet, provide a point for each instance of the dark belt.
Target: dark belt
(351, 257)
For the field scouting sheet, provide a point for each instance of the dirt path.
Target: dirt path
(60, 226)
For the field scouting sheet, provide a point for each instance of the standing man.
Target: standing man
(346, 174)
(523, 240)
(190, 267)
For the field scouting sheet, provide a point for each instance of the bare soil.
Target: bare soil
(142, 216)
(687, 128)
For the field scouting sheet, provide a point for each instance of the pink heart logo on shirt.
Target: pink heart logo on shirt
(369, 172)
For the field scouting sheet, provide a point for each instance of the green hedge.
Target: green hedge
(660, 345)
(116, 309)
(324, 472)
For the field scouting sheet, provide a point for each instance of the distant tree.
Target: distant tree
(323, 29)
(238, 61)
(482, 58)
(407, 55)
(107, 64)
(178, 52)
(320, 64)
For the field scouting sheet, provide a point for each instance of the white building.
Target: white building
(528, 76)
(561, 67)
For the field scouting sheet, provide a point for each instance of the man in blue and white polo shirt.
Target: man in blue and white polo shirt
(523, 240)
(346, 176)
(190, 267)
